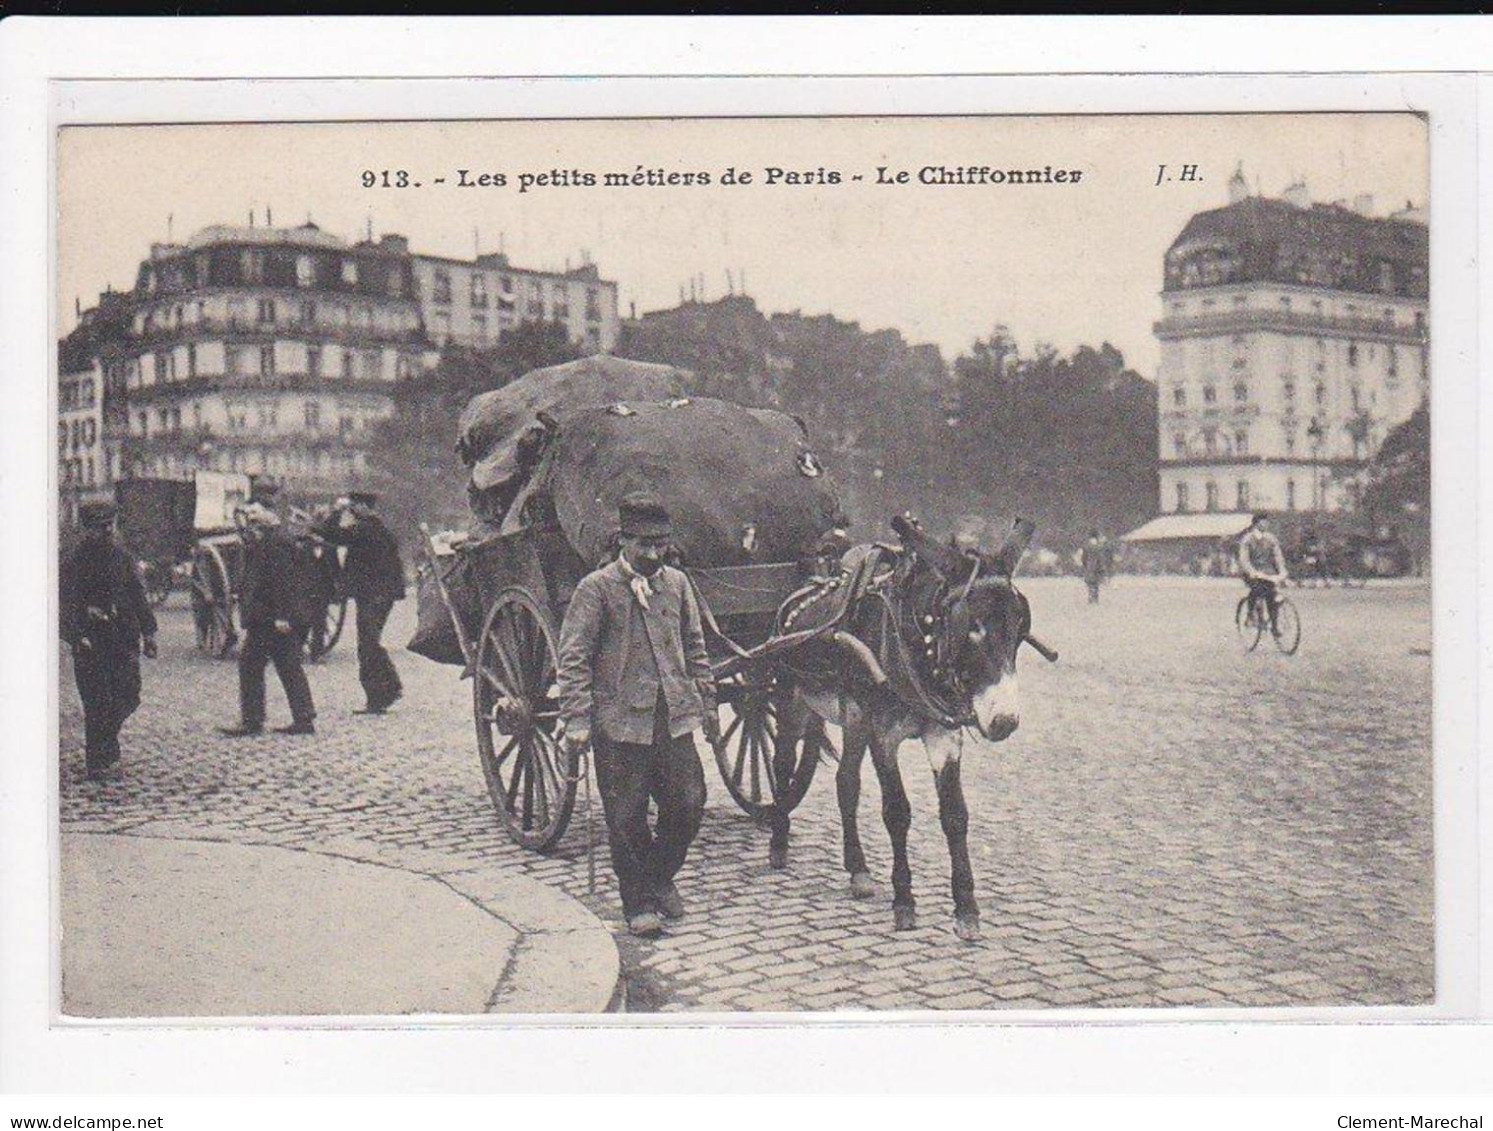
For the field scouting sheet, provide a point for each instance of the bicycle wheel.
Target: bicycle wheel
(1287, 627)
(1248, 623)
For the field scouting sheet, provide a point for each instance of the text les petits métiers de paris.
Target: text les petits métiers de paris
(767, 176)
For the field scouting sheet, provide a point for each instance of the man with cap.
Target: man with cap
(106, 619)
(635, 684)
(275, 605)
(373, 576)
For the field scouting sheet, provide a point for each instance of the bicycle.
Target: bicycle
(1252, 621)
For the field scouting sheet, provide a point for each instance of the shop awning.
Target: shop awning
(1171, 527)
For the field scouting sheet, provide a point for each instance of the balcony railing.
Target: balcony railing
(1235, 321)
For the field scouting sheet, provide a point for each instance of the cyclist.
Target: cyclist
(1263, 567)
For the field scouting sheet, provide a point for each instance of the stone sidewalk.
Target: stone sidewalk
(158, 923)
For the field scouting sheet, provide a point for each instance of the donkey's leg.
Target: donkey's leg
(848, 790)
(792, 720)
(897, 813)
(953, 815)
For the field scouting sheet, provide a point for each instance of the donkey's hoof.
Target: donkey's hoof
(967, 927)
(904, 918)
(777, 856)
(862, 886)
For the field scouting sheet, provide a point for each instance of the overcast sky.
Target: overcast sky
(1063, 263)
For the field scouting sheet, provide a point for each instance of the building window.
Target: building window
(191, 359)
(266, 361)
(196, 414)
(305, 271)
(347, 364)
(1392, 362)
(593, 307)
(233, 360)
(1210, 394)
(1290, 441)
(1211, 502)
(1210, 441)
(1420, 320)
(1353, 354)
(1179, 396)
(1321, 393)
(1241, 392)
(442, 325)
(1357, 397)
(441, 291)
(269, 415)
(479, 291)
(350, 272)
(313, 362)
(1241, 495)
(373, 365)
(1288, 389)
(312, 411)
(308, 314)
(1241, 443)
(267, 310)
(479, 327)
(1290, 494)
(346, 425)
(251, 266)
(160, 368)
(1179, 445)
(1181, 496)
(402, 367)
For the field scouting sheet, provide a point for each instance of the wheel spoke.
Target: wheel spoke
(507, 750)
(733, 728)
(528, 749)
(519, 768)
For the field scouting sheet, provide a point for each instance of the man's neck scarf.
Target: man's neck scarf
(642, 587)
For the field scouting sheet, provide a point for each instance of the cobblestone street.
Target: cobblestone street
(1175, 823)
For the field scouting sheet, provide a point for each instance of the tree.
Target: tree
(1398, 489)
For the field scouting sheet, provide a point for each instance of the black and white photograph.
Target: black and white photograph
(956, 564)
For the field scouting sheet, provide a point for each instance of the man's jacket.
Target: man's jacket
(616, 657)
(372, 571)
(280, 582)
(100, 596)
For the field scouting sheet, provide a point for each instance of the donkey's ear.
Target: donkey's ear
(1008, 557)
(944, 559)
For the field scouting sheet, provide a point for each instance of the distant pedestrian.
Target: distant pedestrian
(1094, 558)
(635, 684)
(373, 576)
(275, 604)
(106, 620)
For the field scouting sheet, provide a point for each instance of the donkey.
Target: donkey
(925, 647)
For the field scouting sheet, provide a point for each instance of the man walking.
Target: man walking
(635, 684)
(373, 576)
(274, 605)
(1095, 560)
(106, 620)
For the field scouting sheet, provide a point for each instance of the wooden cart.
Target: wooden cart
(507, 596)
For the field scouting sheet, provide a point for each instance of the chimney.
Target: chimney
(251, 217)
(1363, 204)
(269, 217)
(1296, 194)
(632, 311)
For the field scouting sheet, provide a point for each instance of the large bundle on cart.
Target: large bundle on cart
(741, 484)
(501, 433)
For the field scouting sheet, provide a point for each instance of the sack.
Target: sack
(494, 434)
(435, 636)
(741, 484)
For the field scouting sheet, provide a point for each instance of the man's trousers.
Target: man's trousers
(629, 774)
(263, 645)
(376, 672)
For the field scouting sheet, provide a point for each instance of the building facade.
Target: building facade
(88, 453)
(266, 350)
(1294, 337)
(475, 302)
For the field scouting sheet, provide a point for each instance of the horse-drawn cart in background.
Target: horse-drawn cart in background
(750, 505)
(157, 524)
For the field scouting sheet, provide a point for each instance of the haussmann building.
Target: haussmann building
(1294, 337)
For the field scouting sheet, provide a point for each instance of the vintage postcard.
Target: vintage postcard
(567, 566)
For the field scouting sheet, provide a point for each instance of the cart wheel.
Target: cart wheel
(324, 636)
(212, 604)
(745, 755)
(517, 710)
